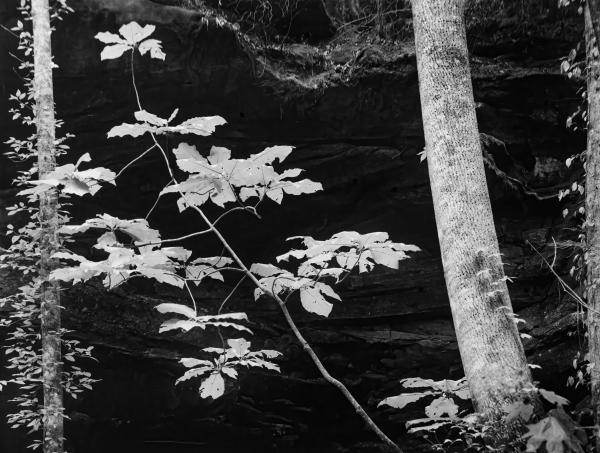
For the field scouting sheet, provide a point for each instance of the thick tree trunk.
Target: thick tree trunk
(491, 350)
(592, 209)
(594, 11)
(49, 241)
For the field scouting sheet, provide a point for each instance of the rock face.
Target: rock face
(352, 111)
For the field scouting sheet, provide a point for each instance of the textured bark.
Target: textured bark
(592, 208)
(490, 346)
(593, 7)
(49, 241)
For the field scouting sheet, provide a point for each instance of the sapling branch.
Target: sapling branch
(241, 267)
(134, 161)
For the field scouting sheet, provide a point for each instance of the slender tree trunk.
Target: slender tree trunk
(592, 209)
(49, 241)
(491, 350)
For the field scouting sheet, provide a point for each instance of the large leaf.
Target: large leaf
(313, 298)
(180, 309)
(351, 249)
(213, 386)
(222, 180)
(553, 434)
(441, 407)
(402, 400)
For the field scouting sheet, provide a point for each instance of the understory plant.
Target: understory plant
(131, 248)
(450, 425)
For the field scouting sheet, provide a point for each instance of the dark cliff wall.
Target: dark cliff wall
(352, 110)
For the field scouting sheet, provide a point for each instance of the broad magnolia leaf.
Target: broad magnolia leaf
(146, 117)
(154, 46)
(265, 270)
(222, 180)
(553, 398)
(200, 268)
(417, 382)
(114, 51)
(400, 401)
(191, 362)
(429, 425)
(203, 126)
(350, 249)
(132, 35)
(223, 320)
(553, 434)
(313, 298)
(180, 309)
(440, 407)
(109, 38)
(122, 263)
(239, 346)
(71, 180)
(213, 386)
(136, 229)
(196, 372)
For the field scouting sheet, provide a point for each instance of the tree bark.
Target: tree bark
(593, 7)
(490, 346)
(592, 209)
(49, 222)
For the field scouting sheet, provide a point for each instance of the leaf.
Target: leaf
(186, 151)
(185, 325)
(552, 397)
(109, 38)
(269, 155)
(180, 309)
(404, 399)
(551, 432)
(191, 362)
(155, 48)
(417, 382)
(239, 346)
(146, 117)
(203, 126)
(265, 270)
(213, 386)
(429, 427)
(134, 33)
(442, 406)
(114, 51)
(132, 130)
(231, 372)
(313, 300)
(195, 372)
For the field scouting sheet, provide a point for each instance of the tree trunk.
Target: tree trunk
(491, 350)
(592, 210)
(49, 241)
(594, 11)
